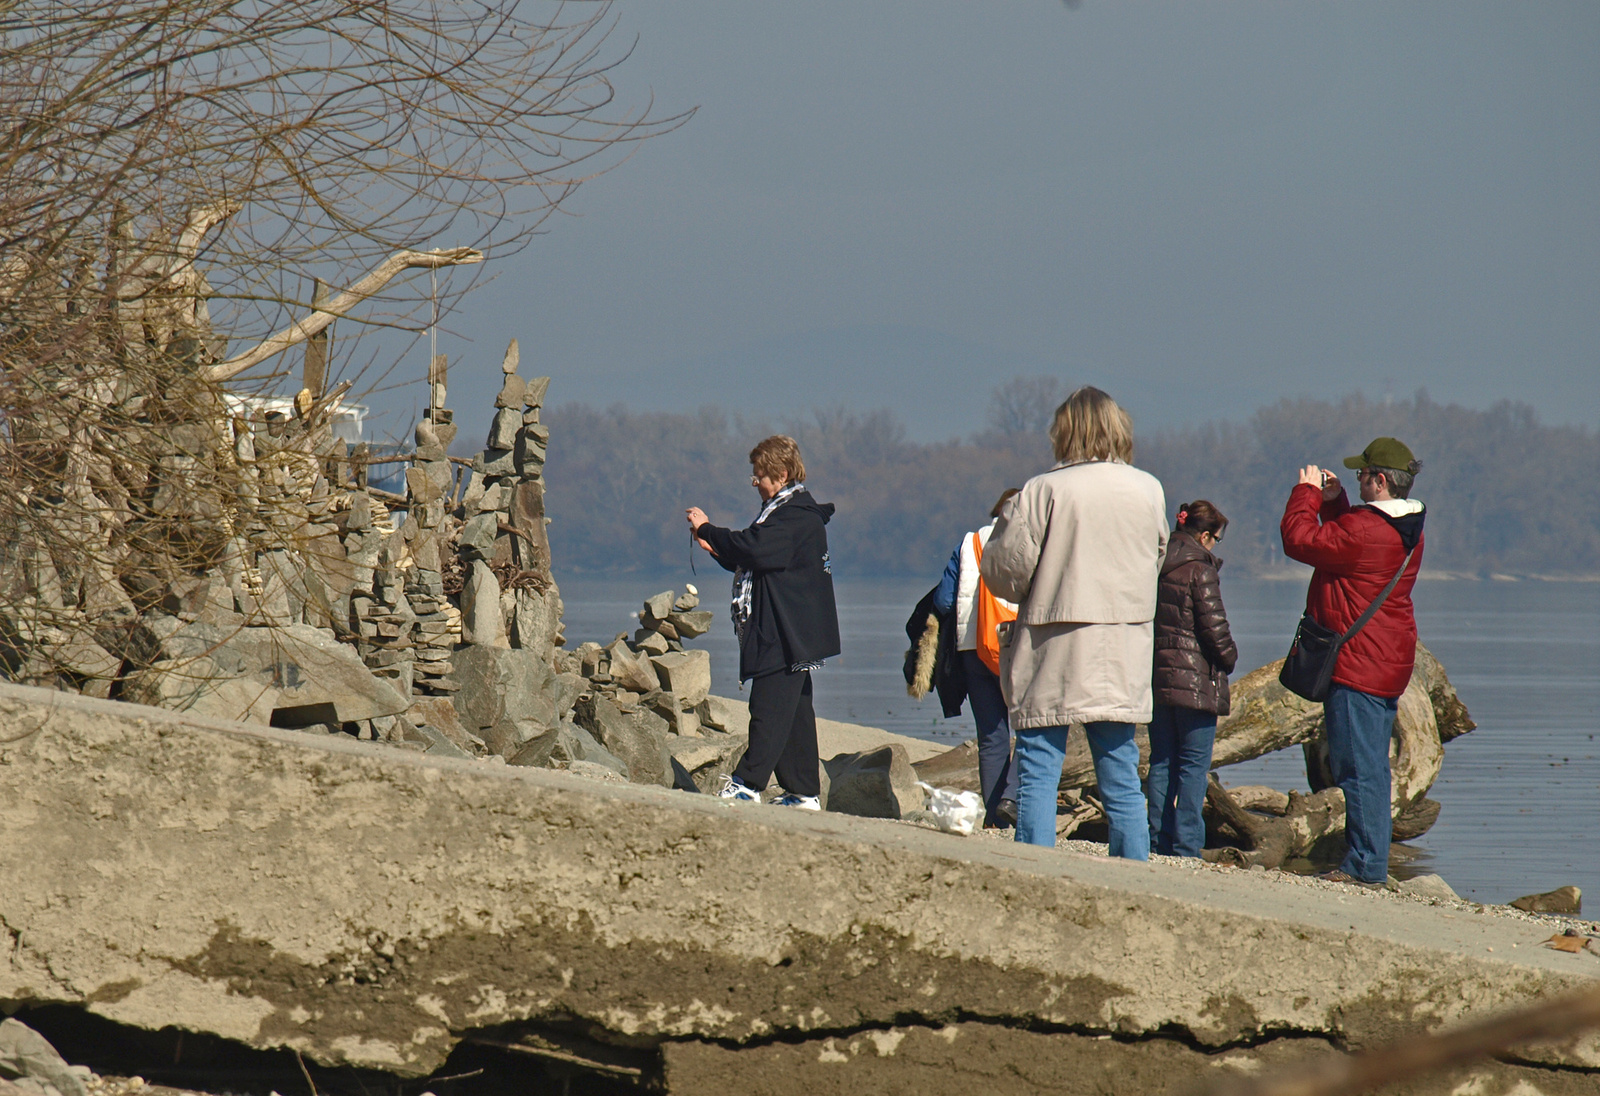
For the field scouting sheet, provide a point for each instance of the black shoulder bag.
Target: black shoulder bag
(1308, 669)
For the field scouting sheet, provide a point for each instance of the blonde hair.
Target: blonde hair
(778, 454)
(1090, 426)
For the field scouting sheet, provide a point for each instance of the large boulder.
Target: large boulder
(576, 746)
(28, 1057)
(200, 686)
(432, 741)
(536, 620)
(506, 696)
(876, 783)
(707, 759)
(294, 676)
(638, 738)
(439, 713)
(1448, 712)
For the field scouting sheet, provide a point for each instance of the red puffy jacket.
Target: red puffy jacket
(1356, 551)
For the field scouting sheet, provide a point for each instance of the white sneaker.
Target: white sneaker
(804, 802)
(734, 790)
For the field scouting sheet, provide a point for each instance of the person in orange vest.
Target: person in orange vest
(962, 591)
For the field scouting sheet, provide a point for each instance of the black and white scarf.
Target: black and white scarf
(743, 585)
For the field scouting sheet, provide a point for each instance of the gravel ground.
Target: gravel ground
(1271, 877)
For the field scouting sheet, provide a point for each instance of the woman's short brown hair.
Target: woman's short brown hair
(778, 455)
(1090, 426)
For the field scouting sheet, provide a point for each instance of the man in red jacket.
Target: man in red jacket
(1356, 550)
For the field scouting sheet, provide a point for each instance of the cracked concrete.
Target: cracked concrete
(961, 1058)
(368, 906)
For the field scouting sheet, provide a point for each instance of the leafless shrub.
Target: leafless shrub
(177, 179)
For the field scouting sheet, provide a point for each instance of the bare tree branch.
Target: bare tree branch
(302, 330)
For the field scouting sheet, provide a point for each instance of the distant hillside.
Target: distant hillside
(1505, 493)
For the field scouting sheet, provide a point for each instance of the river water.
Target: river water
(1520, 795)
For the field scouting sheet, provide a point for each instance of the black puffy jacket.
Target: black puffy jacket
(793, 619)
(1194, 648)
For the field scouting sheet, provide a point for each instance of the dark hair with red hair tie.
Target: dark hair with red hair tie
(1199, 517)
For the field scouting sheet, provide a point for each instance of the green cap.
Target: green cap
(1383, 453)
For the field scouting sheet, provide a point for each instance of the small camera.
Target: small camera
(1325, 478)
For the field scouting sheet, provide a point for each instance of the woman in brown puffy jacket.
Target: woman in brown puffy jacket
(1194, 653)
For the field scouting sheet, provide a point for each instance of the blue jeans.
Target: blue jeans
(1116, 768)
(1359, 729)
(1180, 757)
(996, 775)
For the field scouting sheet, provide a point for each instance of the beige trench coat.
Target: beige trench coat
(1079, 551)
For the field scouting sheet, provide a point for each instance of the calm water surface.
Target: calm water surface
(1520, 795)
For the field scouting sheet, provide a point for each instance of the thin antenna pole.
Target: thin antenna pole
(433, 324)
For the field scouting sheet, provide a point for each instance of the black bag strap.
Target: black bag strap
(1361, 621)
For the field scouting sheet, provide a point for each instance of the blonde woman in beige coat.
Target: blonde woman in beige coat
(1079, 551)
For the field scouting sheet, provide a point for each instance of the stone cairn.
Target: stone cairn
(506, 589)
(429, 620)
(430, 482)
(652, 667)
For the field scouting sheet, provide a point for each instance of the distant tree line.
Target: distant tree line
(1505, 493)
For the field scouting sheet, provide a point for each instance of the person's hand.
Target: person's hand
(1323, 479)
(697, 517)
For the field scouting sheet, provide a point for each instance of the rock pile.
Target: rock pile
(429, 620)
(647, 698)
(653, 668)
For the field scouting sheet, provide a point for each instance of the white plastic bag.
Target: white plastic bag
(954, 812)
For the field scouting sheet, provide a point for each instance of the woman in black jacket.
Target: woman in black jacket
(1194, 653)
(784, 615)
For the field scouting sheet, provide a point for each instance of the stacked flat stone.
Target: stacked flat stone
(386, 619)
(291, 547)
(431, 481)
(326, 574)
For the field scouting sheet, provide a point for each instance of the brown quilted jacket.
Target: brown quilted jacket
(1194, 648)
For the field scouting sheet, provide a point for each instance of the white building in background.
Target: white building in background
(347, 419)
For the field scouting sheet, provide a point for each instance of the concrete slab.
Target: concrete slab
(371, 906)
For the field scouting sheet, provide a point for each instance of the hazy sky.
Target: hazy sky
(1199, 207)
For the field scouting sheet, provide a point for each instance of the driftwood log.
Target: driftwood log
(1272, 826)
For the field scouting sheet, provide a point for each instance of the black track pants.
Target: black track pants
(783, 735)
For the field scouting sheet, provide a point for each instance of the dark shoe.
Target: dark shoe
(1006, 811)
(1337, 876)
